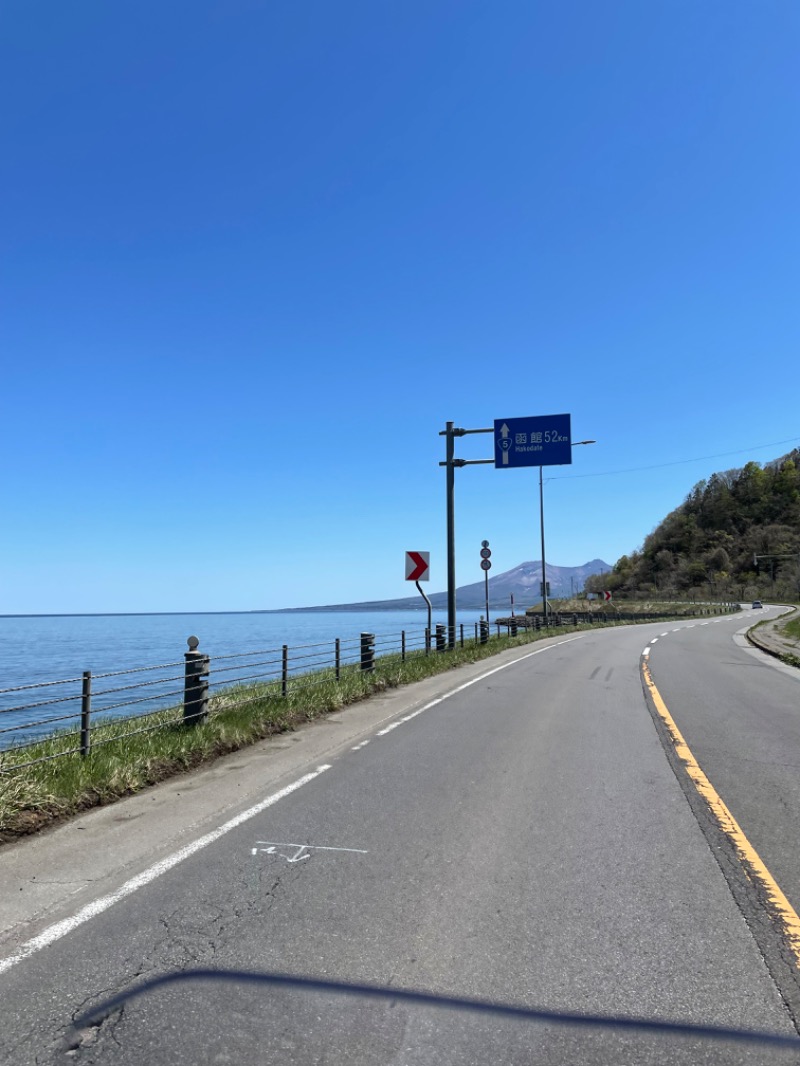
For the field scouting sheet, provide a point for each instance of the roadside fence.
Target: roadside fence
(72, 711)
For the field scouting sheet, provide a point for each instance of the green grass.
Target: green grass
(124, 761)
(598, 608)
(792, 627)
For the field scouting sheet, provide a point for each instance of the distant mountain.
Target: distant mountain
(523, 582)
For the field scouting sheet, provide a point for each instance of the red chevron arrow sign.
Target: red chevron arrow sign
(418, 566)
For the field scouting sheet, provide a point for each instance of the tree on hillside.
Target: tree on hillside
(707, 546)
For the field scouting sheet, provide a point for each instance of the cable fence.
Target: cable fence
(47, 720)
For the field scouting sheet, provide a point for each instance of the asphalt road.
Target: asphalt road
(526, 840)
(740, 714)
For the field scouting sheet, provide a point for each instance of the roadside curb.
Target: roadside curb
(764, 637)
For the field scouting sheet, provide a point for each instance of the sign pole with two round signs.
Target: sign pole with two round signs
(486, 566)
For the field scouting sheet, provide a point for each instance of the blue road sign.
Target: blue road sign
(543, 440)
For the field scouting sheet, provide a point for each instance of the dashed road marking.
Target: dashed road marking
(474, 681)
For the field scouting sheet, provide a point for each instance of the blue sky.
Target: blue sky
(255, 254)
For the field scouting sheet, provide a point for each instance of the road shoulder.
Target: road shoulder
(771, 637)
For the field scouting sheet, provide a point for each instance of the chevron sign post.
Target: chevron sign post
(418, 568)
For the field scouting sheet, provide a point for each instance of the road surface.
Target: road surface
(518, 832)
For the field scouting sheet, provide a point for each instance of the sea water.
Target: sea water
(37, 649)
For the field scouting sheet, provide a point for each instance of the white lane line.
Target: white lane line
(665, 634)
(394, 725)
(91, 910)
(474, 681)
(654, 640)
(646, 650)
(705, 623)
(358, 747)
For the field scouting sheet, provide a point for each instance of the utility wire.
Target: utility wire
(675, 462)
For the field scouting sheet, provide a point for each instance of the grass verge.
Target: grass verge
(123, 762)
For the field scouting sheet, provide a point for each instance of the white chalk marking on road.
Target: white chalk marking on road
(97, 906)
(302, 851)
(474, 681)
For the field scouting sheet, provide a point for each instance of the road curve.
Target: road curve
(525, 840)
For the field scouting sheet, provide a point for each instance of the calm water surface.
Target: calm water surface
(47, 648)
(41, 649)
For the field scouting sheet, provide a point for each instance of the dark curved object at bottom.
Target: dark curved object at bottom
(96, 1015)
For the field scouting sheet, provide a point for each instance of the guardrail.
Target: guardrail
(184, 692)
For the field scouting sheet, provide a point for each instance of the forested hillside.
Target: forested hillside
(735, 536)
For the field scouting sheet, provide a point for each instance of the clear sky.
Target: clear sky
(255, 254)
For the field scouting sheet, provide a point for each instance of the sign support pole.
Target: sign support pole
(422, 594)
(450, 472)
(544, 440)
(544, 572)
(450, 463)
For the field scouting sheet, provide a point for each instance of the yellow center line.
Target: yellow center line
(754, 866)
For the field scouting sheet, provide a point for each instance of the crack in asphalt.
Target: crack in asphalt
(79, 881)
(185, 941)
